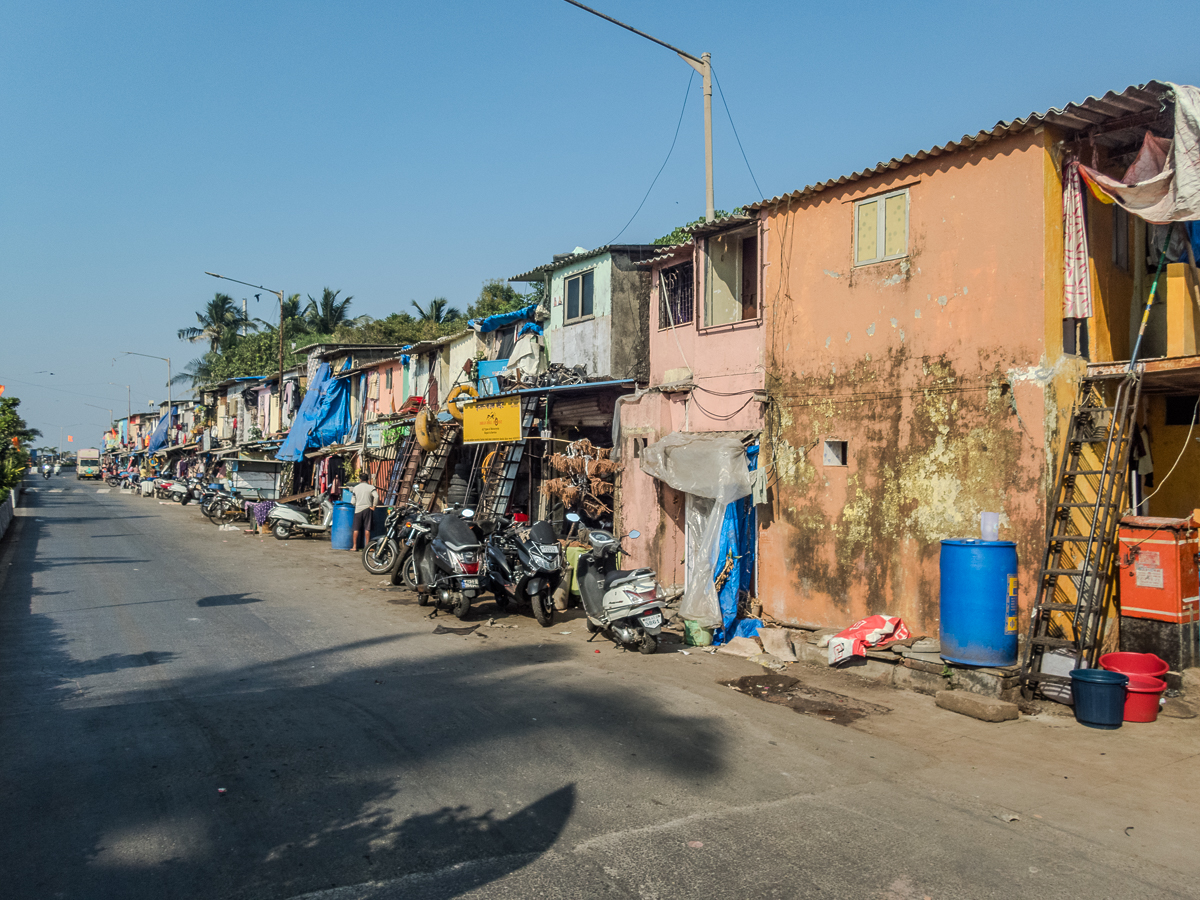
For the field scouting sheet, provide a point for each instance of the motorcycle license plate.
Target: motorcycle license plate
(469, 583)
(652, 621)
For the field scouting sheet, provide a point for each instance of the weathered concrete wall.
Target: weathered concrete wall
(585, 343)
(630, 320)
(646, 504)
(940, 371)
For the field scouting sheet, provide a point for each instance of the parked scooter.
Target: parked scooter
(623, 604)
(525, 562)
(287, 519)
(448, 558)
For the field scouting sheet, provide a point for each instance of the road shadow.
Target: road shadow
(366, 761)
(228, 600)
(114, 662)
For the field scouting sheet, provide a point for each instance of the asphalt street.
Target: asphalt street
(194, 713)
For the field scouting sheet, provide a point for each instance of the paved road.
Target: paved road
(149, 661)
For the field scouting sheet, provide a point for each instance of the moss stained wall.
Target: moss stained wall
(937, 371)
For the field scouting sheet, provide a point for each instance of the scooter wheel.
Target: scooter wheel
(501, 599)
(423, 599)
(281, 531)
(592, 627)
(462, 606)
(648, 645)
(543, 608)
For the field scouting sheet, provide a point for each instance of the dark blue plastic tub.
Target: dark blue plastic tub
(1099, 697)
(979, 602)
(341, 534)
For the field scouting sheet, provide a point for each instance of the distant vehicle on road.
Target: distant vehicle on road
(87, 464)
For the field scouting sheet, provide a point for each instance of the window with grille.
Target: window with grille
(676, 295)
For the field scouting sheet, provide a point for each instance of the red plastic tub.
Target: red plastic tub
(1134, 664)
(1141, 698)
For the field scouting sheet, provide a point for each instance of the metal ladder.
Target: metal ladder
(502, 475)
(433, 465)
(1076, 578)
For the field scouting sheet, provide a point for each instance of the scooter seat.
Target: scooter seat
(621, 576)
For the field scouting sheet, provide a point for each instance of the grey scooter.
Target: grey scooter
(624, 604)
(287, 519)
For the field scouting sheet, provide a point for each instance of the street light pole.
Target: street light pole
(703, 65)
(170, 402)
(278, 294)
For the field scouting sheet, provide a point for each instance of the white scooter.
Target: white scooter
(624, 604)
(287, 519)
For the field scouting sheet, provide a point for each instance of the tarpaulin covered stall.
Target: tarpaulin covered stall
(323, 417)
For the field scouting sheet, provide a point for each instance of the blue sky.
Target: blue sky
(400, 151)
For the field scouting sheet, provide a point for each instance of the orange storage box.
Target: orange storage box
(1159, 578)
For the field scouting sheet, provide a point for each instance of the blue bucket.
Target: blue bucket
(1099, 697)
(341, 534)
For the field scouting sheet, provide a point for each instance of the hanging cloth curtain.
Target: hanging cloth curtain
(1077, 279)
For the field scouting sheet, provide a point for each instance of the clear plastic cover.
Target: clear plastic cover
(713, 471)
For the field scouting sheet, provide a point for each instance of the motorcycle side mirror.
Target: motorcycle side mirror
(468, 513)
(634, 535)
(572, 517)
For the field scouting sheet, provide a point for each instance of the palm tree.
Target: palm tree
(219, 322)
(438, 311)
(195, 373)
(292, 317)
(324, 316)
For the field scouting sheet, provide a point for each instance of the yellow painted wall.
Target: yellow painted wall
(1180, 493)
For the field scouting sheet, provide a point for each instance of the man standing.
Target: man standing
(365, 498)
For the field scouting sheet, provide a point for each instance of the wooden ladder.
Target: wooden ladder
(1076, 582)
(404, 472)
(433, 466)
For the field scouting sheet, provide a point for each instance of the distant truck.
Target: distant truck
(87, 464)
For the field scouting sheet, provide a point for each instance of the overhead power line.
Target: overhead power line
(678, 124)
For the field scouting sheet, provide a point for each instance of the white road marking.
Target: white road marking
(56, 490)
(103, 490)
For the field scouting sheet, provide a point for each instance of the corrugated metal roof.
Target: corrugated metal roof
(572, 258)
(668, 253)
(1136, 102)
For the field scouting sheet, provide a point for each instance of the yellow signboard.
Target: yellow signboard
(492, 420)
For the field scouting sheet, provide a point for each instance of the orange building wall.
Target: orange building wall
(941, 371)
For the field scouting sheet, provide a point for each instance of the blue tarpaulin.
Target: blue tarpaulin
(159, 438)
(529, 328)
(323, 417)
(491, 323)
(737, 541)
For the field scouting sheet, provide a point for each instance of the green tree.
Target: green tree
(437, 311)
(219, 323)
(14, 460)
(325, 315)
(680, 236)
(496, 297)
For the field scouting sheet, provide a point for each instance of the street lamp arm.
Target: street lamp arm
(649, 37)
(278, 294)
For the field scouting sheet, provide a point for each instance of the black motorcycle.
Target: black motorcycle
(448, 559)
(525, 562)
(391, 550)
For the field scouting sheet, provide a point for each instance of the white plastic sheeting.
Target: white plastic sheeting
(712, 470)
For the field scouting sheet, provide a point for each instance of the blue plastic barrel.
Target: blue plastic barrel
(1099, 697)
(342, 533)
(979, 602)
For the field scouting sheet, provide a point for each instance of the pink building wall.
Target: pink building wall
(727, 369)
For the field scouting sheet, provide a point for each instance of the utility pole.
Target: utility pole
(703, 65)
(278, 294)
